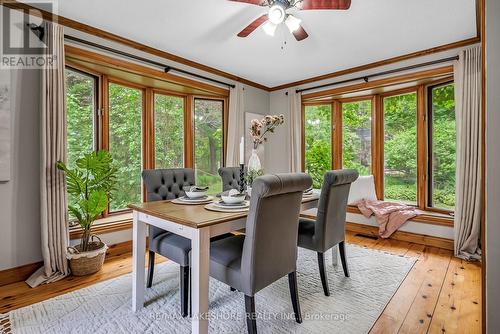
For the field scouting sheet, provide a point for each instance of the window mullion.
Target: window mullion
(422, 162)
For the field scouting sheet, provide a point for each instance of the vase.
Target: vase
(254, 161)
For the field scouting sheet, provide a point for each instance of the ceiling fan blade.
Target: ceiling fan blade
(252, 26)
(325, 4)
(252, 2)
(300, 34)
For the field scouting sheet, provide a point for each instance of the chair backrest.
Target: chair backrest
(270, 247)
(332, 208)
(165, 184)
(230, 178)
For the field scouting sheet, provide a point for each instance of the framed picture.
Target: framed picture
(5, 139)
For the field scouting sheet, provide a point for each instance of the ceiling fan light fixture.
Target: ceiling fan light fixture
(269, 28)
(292, 23)
(276, 14)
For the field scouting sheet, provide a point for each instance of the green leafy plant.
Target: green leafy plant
(90, 184)
(252, 174)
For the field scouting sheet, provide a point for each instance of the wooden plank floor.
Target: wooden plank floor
(441, 294)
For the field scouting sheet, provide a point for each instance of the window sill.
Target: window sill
(429, 217)
(113, 223)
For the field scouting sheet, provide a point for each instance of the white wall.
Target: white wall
(19, 198)
(492, 165)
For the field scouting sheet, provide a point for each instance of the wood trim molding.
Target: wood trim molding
(381, 63)
(18, 274)
(12, 4)
(109, 224)
(427, 240)
(405, 78)
(76, 53)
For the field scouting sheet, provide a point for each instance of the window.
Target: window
(81, 106)
(404, 137)
(81, 109)
(208, 142)
(400, 148)
(125, 138)
(442, 147)
(357, 136)
(169, 131)
(318, 141)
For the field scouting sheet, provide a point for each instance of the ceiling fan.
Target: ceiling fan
(277, 14)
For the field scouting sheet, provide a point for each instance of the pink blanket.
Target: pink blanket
(389, 215)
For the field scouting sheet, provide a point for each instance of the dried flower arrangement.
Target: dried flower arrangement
(259, 128)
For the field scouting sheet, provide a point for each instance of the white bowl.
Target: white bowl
(233, 199)
(196, 194)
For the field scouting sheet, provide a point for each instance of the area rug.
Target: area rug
(353, 307)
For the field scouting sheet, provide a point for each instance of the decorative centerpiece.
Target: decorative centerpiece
(259, 131)
(90, 183)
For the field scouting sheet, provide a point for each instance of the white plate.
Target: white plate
(187, 200)
(243, 205)
(212, 207)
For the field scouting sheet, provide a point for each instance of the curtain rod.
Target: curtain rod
(367, 77)
(166, 68)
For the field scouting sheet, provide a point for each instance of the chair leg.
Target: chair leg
(151, 268)
(250, 315)
(343, 258)
(184, 279)
(292, 282)
(322, 273)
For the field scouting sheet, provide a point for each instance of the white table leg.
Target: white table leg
(335, 258)
(200, 257)
(138, 250)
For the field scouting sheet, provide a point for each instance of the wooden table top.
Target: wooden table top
(191, 215)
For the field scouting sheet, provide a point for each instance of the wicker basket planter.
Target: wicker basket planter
(86, 263)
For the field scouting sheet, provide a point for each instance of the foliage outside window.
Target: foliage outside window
(208, 141)
(415, 160)
(80, 106)
(357, 136)
(442, 146)
(125, 112)
(400, 148)
(169, 131)
(318, 141)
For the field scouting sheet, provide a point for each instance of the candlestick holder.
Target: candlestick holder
(242, 178)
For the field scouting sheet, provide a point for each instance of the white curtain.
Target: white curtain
(468, 176)
(54, 226)
(295, 119)
(235, 127)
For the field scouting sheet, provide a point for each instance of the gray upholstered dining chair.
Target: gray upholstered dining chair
(165, 184)
(328, 229)
(268, 251)
(230, 178)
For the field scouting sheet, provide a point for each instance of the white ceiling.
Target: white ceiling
(205, 31)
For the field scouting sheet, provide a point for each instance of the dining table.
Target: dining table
(198, 224)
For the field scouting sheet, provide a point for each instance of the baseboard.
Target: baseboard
(21, 273)
(18, 274)
(403, 236)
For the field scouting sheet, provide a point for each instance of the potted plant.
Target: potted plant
(90, 184)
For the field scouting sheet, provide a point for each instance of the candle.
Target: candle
(242, 151)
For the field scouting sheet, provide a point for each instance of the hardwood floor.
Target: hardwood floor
(441, 294)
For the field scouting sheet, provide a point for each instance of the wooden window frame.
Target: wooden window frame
(121, 219)
(435, 216)
(429, 134)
